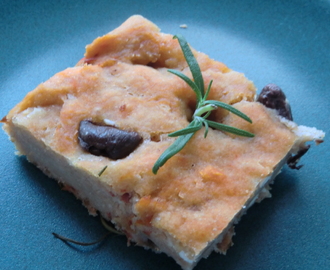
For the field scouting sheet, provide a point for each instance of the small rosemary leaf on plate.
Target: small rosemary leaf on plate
(229, 108)
(192, 63)
(230, 129)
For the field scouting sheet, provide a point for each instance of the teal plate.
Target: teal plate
(283, 42)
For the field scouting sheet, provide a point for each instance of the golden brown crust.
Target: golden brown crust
(123, 78)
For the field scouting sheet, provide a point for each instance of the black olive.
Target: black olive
(107, 141)
(273, 97)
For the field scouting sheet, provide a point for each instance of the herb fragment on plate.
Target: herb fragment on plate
(203, 109)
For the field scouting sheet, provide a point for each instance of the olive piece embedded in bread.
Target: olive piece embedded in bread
(107, 141)
(273, 97)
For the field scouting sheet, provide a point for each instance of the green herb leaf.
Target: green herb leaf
(230, 129)
(188, 81)
(229, 108)
(204, 109)
(192, 63)
(171, 151)
(208, 90)
(174, 148)
(206, 128)
(186, 130)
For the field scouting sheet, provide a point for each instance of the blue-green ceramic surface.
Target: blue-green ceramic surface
(283, 42)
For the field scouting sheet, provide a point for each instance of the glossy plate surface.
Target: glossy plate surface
(283, 42)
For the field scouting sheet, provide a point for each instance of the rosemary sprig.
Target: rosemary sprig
(203, 109)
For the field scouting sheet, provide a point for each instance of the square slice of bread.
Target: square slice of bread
(189, 208)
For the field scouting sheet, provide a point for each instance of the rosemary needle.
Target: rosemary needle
(203, 109)
(102, 171)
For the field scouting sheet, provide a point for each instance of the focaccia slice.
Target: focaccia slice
(121, 88)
